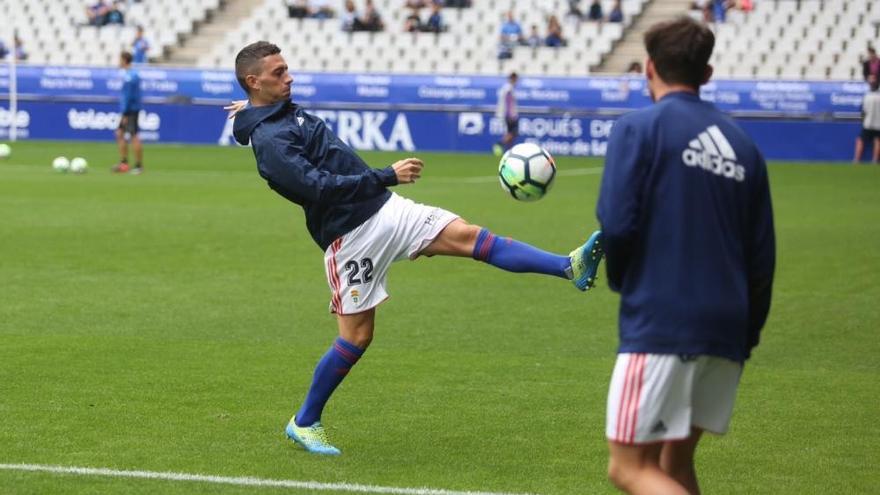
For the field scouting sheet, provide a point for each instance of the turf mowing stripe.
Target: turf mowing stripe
(239, 481)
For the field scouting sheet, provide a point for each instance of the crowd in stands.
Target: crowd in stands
(595, 12)
(423, 15)
(511, 33)
(366, 20)
(317, 9)
(104, 12)
(431, 23)
(713, 11)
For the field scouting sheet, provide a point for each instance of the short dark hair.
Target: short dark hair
(680, 50)
(126, 56)
(249, 60)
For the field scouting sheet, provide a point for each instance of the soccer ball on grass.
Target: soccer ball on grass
(526, 172)
(79, 165)
(61, 164)
(5, 150)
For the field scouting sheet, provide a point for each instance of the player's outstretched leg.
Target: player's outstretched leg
(462, 239)
(585, 262)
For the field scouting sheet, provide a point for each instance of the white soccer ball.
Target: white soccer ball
(61, 164)
(526, 172)
(79, 165)
(5, 150)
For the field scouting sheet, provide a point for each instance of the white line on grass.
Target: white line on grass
(239, 481)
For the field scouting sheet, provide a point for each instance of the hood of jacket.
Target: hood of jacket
(248, 119)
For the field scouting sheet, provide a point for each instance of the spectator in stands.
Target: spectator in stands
(140, 47)
(511, 35)
(18, 50)
(535, 39)
(702, 10)
(416, 4)
(458, 3)
(413, 22)
(435, 20)
(297, 9)
(507, 110)
(719, 10)
(616, 14)
(595, 13)
(870, 123)
(96, 13)
(635, 68)
(371, 20)
(871, 65)
(321, 9)
(114, 14)
(574, 10)
(349, 16)
(554, 33)
(511, 29)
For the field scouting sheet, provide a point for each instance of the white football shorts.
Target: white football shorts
(357, 263)
(659, 397)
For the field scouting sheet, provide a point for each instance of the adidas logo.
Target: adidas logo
(300, 120)
(660, 427)
(712, 152)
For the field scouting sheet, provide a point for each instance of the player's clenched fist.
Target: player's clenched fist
(408, 170)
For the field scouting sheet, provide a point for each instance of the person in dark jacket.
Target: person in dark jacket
(361, 225)
(686, 216)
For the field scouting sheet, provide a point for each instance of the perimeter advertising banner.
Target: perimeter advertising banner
(793, 98)
(406, 130)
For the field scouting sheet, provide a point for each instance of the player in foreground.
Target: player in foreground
(361, 226)
(686, 216)
(129, 108)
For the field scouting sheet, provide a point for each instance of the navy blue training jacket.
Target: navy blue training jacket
(685, 209)
(305, 162)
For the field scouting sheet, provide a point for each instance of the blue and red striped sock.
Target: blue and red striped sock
(329, 372)
(519, 257)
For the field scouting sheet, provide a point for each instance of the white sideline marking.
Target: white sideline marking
(239, 481)
(494, 178)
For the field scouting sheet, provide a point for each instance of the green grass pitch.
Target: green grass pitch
(171, 321)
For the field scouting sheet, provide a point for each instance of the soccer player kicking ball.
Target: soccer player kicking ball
(687, 222)
(361, 226)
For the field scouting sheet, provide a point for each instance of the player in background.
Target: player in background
(870, 123)
(361, 226)
(507, 110)
(685, 211)
(129, 108)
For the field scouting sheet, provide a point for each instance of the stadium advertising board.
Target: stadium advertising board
(539, 94)
(790, 120)
(405, 130)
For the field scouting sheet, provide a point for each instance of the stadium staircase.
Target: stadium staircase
(631, 48)
(208, 34)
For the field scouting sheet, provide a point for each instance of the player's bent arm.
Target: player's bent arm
(760, 253)
(288, 170)
(618, 208)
